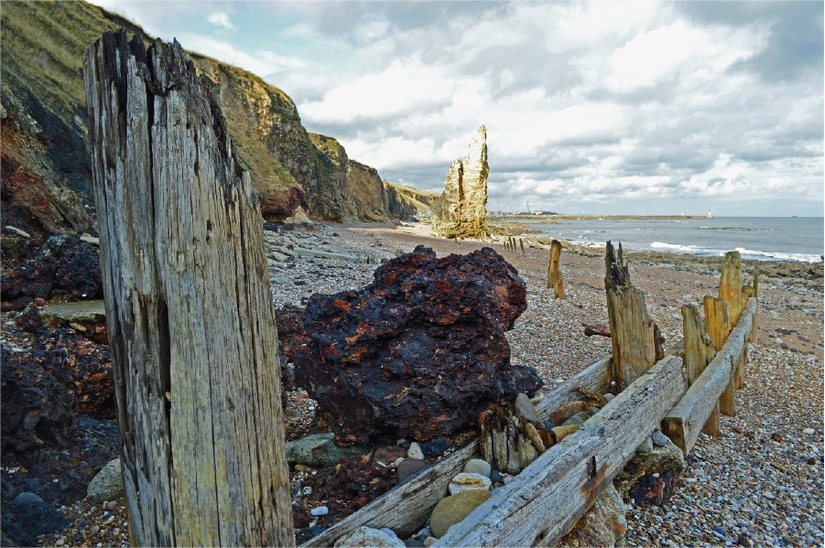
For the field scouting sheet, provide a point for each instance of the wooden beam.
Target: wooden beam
(730, 285)
(631, 328)
(699, 351)
(551, 494)
(718, 325)
(684, 422)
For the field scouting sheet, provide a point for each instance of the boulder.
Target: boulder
(461, 211)
(453, 509)
(604, 525)
(367, 536)
(408, 468)
(419, 352)
(107, 484)
(664, 462)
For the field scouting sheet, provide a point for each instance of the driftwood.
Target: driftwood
(554, 278)
(699, 351)
(590, 331)
(632, 329)
(552, 493)
(188, 306)
(683, 424)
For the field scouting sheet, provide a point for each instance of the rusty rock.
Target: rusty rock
(417, 353)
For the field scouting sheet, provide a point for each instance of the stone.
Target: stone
(410, 381)
(367, 536)
(415, 452)
(659, 460)
(645, 447)
(808, 431)
(526, 409)
(461, 210)
(478, 466)
(26, 498)
(526, 452)
(568, 410)
(576, 420)
(319, 450)
(429, 541)
(561, 432)
(495, 477)
(451, 510)
(388, 454)
(408, 468)
(82, 312)
(107, 484)
(467, 482)
(658, 439)
(319, 511)
(603, 525)
(413, 543)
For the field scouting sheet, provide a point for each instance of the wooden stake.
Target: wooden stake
(730, 285)
(631, 328)
(554, 278)
(521, 243)
(188, 306)
(718, 326)
(699, 351)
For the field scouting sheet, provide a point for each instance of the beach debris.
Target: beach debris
(599, 330)
(554, 277)
(418, 352)
(461, 210)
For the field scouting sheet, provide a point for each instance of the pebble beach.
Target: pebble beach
(760, 483)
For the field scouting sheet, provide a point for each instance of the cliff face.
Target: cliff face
(46, 173)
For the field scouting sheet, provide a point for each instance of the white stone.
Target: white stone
(367, 536)
(319, 511)
(808, 431)
(415, 452)
(469, 482)
(478, 466)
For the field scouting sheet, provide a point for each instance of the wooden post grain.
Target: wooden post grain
(631, 328)
(554, 278)
(699, 351)
(718, 325)
(188, 306)
(730, 285)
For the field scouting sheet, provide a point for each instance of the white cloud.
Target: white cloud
(261, 63)
(221, 19)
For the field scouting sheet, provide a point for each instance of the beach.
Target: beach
(760, 483)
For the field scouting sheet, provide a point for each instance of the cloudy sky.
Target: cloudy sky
(598, 107)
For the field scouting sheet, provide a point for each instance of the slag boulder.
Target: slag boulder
(417, 353)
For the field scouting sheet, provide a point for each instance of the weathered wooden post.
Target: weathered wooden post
(730, 285)
(521, 243)
(631, 328)
(718, 326)
(554, 278)
(699, 351)
(188, 306)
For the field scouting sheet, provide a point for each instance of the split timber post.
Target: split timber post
(188, 306)
(631, 328)
(732, 291)
(718, 325)
(554, 279)
(699, 351)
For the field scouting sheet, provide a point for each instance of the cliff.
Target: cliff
(46, 173)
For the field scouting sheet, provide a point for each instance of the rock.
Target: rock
(603, 525)
(107, 484)
(568, 410)
(429, 541)
(658, 439)
(645, 447)
(367, 536)
(435, 448)
(28, 517)
(526, 409)
(17, 232)
(91, 240)
(561, 432)
(319, 511)
(318, 450)
(413, 543)
(428, 335)
(25, 498)
(667, 461)
(526, 452)
(576, 420)
(808, 431)
(495, 477)
(408, 468)
(467, 482)
(82, 312)
(415, 452)
(453, 509)
(461, 210)
(387, 455)
(478, 466)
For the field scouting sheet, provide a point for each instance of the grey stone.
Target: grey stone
(408, 468)
(319, 511)
(453, 509)
(478, 466)
(577, 419)
(526, 409)
(107, 484)
(25, 498)
(319, 450)
(367, 536)
(658, 439)
(495, 477)
(415, 452)
(645, 447)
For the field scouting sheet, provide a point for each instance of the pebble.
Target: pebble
(808, 431)
(319, 511)
(478, 466)
(415, 452)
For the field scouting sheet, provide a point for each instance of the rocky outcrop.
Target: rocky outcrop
(417, 353)
(461, 211)
(408, 203)
(368, 193)
(46, 184)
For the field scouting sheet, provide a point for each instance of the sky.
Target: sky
(598, 107)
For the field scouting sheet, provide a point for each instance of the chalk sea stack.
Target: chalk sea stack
(420, 351)
(461, 211)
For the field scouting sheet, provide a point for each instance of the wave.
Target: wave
(744, 252)
(677, 247)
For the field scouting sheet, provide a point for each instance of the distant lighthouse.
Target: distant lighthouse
(710, 214)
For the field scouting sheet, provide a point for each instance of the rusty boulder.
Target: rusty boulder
(417, 353)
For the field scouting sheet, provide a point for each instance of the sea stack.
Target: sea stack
(461, 211)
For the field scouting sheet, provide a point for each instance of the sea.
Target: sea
(758, 238)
